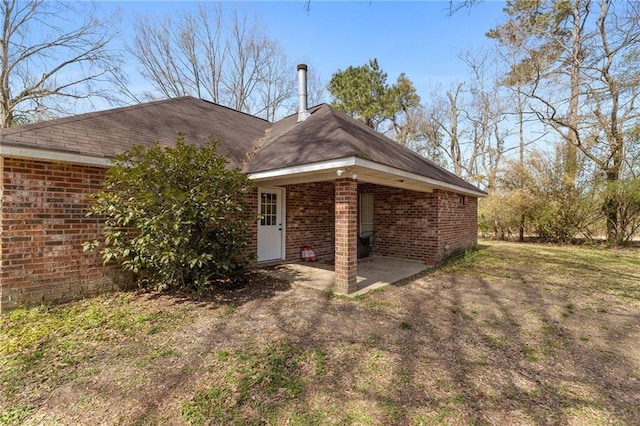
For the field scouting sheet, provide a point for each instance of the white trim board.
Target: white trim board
(51, 155)
(365, 164)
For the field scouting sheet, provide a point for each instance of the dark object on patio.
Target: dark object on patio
(364, 244)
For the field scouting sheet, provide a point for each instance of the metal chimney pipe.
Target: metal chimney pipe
(303, 114)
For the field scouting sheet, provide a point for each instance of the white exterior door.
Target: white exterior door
(270, 224)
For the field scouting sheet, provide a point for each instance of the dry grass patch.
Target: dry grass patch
(509, 334)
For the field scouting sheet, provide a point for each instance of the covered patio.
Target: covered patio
(373, 272)
(415, 222)
(324, 179)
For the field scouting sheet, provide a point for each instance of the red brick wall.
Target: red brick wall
(43, 227)
(404, 222)
(252, 212)
(457, 223)
(408, 224)
(418, 225)
(310, 219)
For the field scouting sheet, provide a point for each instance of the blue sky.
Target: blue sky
(417, 38)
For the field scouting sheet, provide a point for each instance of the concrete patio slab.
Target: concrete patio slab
(373, 272)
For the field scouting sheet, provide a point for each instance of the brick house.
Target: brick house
(321, 178)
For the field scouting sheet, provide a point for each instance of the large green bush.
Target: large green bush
(174, 216)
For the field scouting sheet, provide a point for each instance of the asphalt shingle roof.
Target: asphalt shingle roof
(327, 134)
(107, 133)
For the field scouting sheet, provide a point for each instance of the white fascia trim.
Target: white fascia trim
(50, 155)
(305, 168)
(359, 162)
(409, 175)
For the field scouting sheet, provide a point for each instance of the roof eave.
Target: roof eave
(19, 151)
(286, 175)
(394, 176)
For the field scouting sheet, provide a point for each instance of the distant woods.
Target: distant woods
(572, 71)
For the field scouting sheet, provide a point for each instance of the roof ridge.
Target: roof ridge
(231, 109)
(334, 112)
(398, 145)
(318, 106)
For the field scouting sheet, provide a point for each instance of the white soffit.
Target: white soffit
(304, 168)
(367, 171)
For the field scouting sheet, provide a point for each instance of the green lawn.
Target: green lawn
(509, 334)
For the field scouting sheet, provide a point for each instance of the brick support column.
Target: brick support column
(346, 235)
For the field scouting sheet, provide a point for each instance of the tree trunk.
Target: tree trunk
(610, 209)
(571, 161)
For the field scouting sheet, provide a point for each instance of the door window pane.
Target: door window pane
(268, 209)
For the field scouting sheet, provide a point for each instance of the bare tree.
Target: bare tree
(458, 5)
(231, 62)
(277, 84)
(184, 57)
(470, 122)
(444, 114)
(580, 78)
(52, 54)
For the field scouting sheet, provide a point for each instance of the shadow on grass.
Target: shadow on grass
(504, 347)
(523, 354)
(238, 290)
(514, 341)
